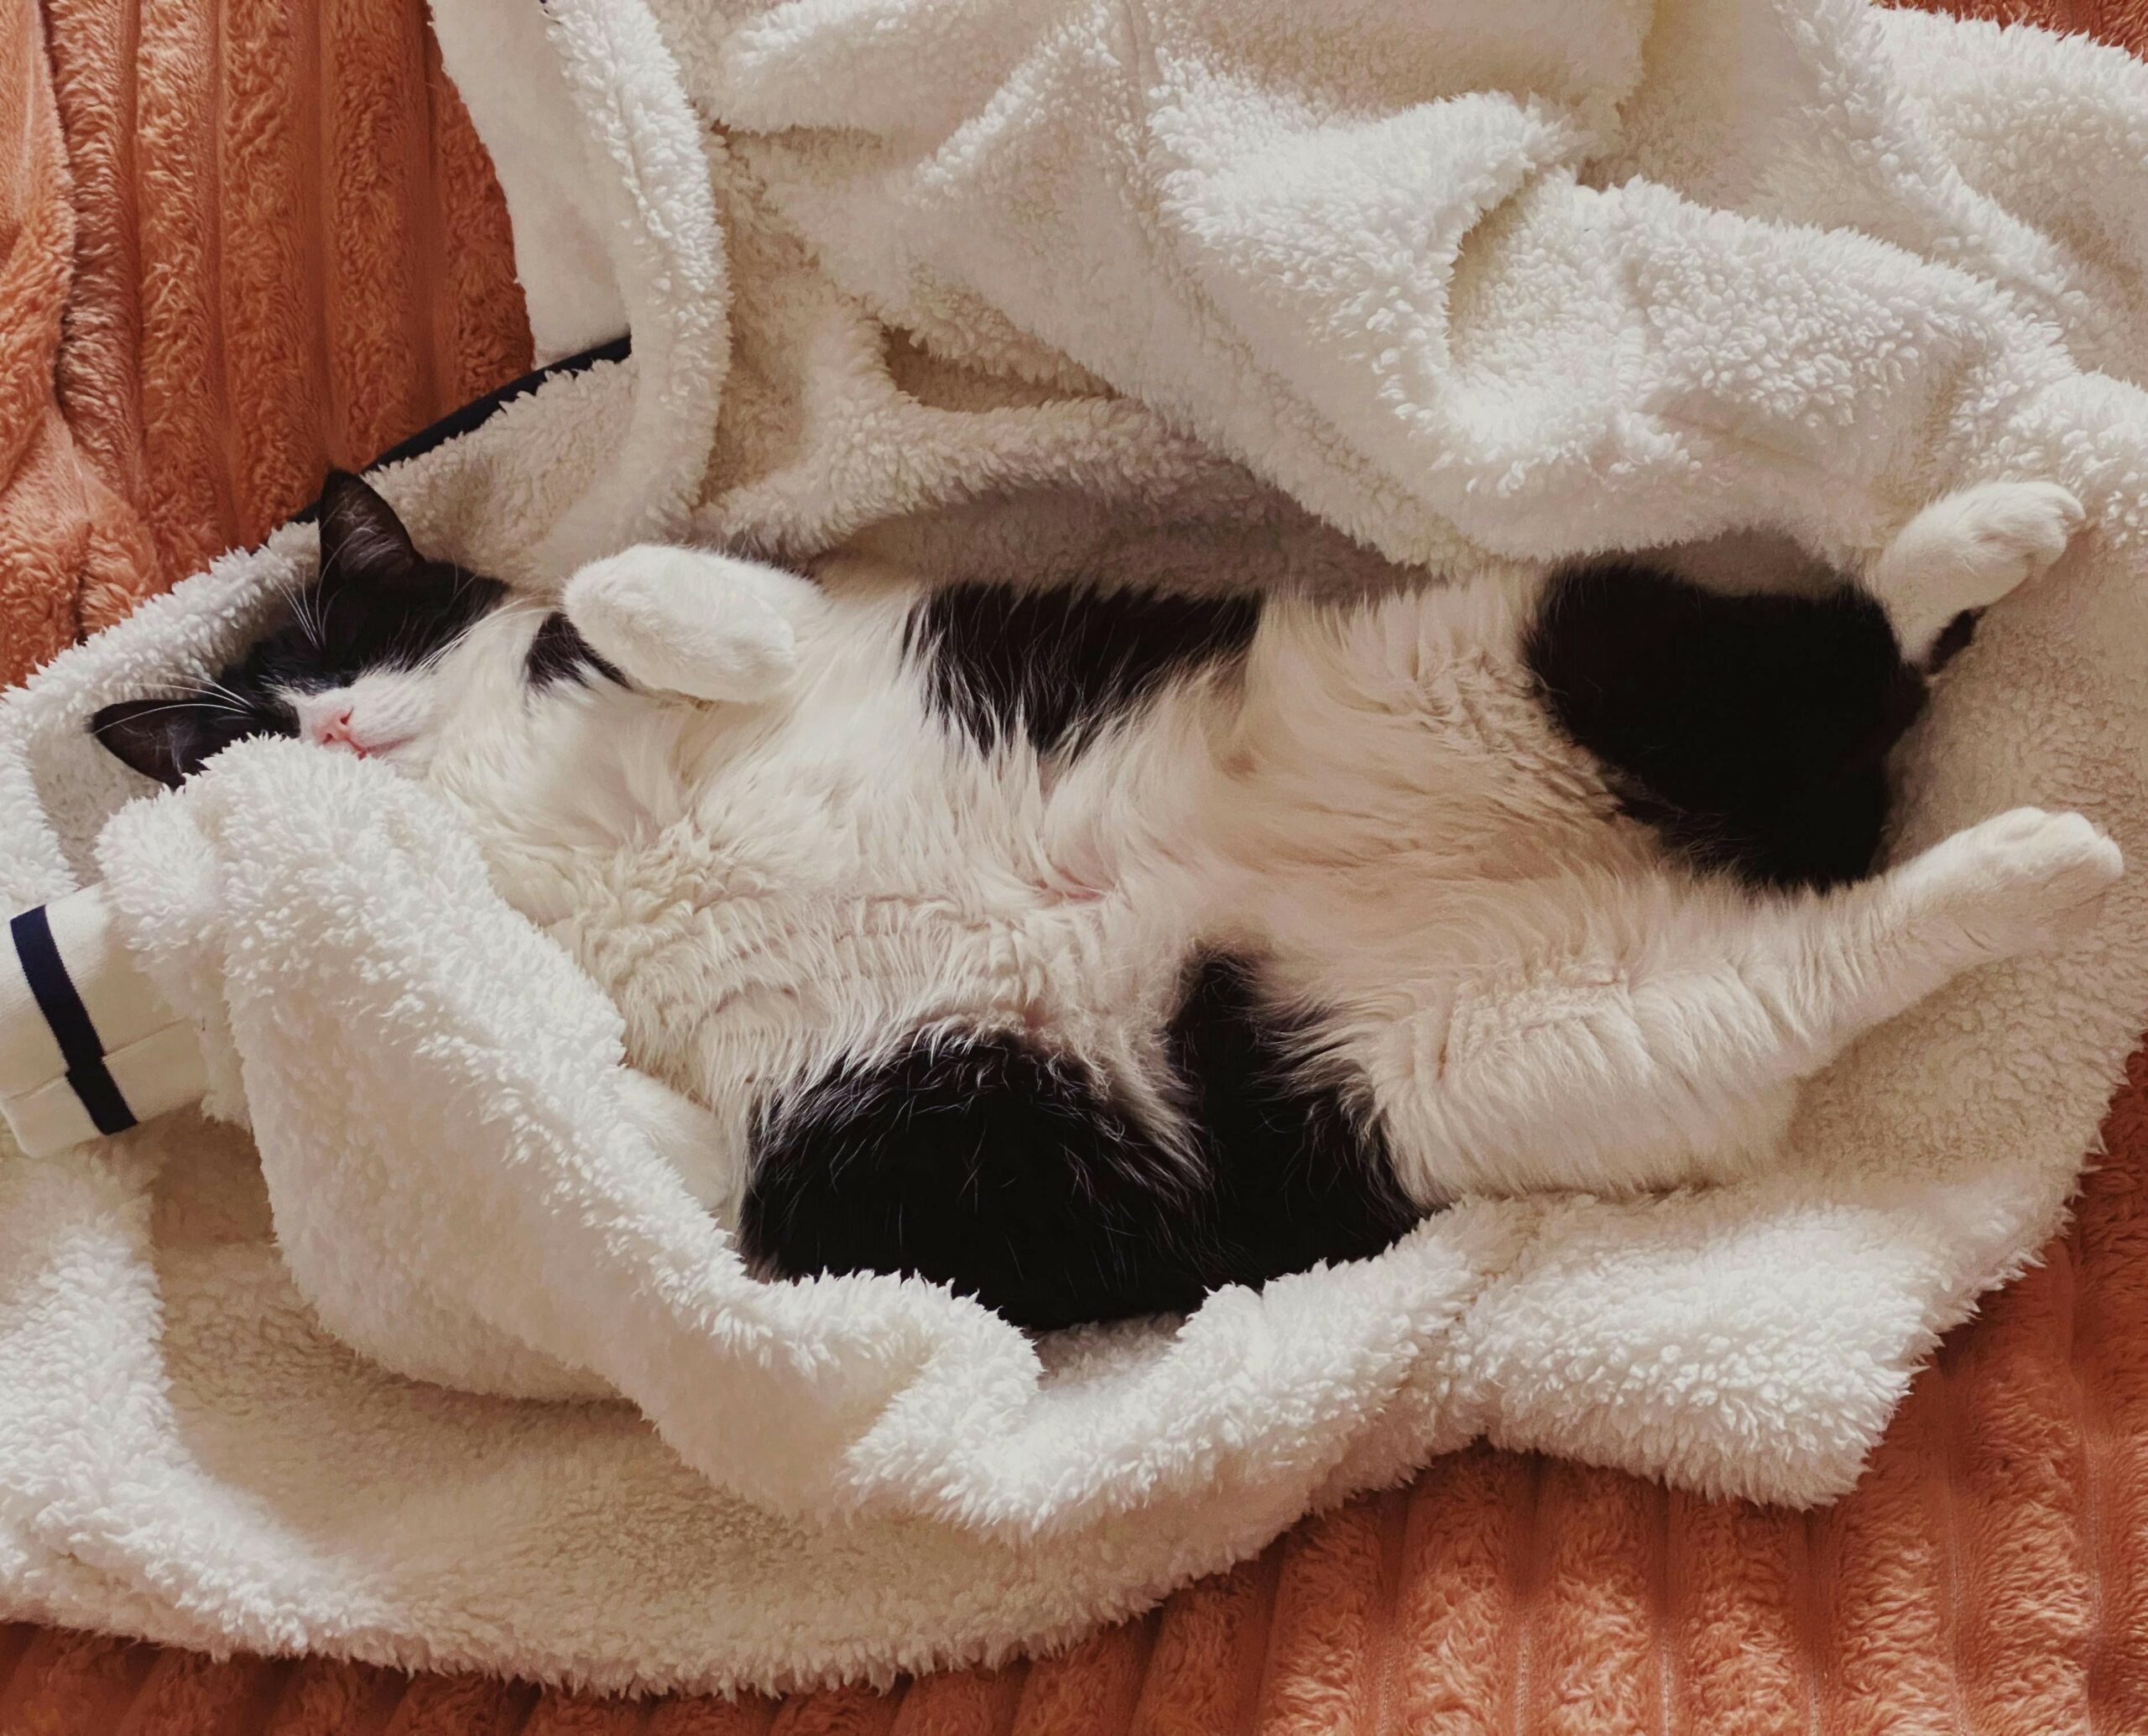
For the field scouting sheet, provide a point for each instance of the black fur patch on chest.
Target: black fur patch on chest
(1011, 1174)
(1750, 731)
(1056, 666)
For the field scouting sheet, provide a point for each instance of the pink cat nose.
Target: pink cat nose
(335, 732)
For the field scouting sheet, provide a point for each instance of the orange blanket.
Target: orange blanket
(245, 237)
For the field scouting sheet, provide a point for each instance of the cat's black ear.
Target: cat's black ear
(361, 540)
(166, 739)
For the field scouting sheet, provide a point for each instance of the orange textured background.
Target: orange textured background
(239, 239)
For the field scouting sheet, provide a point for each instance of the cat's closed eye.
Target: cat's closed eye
(351, 663)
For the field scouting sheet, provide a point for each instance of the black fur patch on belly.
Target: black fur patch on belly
(1751, 732)
(1010, 1175)
(986, 1164)
(1298, 1174)
(1054, 666)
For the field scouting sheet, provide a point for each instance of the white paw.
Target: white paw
(689, 621)
(1968, 550)
(2021, 882)
(2002, 535)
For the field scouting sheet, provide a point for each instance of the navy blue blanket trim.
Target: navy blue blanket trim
(53, 991)
(478, 411)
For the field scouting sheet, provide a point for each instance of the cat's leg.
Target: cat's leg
(1669, 1053)
(692, 621)
(1965, 551)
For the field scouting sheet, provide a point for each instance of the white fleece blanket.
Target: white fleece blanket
(1235, 290)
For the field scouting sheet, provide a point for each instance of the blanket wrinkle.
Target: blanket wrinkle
(1186, 289)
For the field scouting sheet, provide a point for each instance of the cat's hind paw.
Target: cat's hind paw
(1967, 550)
(2025, 881)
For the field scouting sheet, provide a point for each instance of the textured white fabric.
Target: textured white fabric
(149, 1050)
(1176, 287)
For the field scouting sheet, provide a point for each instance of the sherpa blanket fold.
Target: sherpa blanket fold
(1232, 292)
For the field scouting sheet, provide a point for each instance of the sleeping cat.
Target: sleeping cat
(1087, 950)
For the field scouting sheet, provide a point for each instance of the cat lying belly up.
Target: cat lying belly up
(1088, 949)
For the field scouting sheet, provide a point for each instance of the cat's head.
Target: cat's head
(363, 661)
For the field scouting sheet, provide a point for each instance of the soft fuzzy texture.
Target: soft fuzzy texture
(1636, 1336)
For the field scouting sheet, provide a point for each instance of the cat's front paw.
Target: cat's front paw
(692, 621)
(2025, 881)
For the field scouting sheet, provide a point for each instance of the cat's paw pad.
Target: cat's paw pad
(2021, 882)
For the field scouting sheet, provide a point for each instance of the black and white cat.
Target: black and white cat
(1089, 950)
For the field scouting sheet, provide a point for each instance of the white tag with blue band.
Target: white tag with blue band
(87, 1046)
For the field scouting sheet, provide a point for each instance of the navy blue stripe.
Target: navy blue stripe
(53, 991)
(479, 411)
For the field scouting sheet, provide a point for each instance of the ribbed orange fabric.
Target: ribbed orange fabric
(100, 353)
(373, 152)
(277, 241)
(69, 545)
(243, 208)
